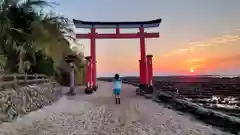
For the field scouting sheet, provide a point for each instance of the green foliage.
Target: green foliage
(33, 41)
(2, 61)
(12, 59)
(43, 65)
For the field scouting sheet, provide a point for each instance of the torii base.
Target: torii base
(142, 89)
(71, 92)
(150, 89)
(88, 90)
(95, 88)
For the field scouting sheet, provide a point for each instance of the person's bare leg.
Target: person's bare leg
(118, 97)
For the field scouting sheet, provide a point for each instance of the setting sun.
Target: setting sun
(192, 70)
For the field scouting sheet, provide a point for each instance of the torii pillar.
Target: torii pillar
(143, 62)
(93, 55)
(88, 69)
(150, 73)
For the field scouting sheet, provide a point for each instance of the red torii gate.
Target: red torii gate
(145, 62)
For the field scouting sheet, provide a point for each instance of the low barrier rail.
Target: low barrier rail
(14, 80)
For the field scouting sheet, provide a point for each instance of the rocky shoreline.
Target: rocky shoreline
(209, 116)
(98, 114)
(16, 102)
(213, 100)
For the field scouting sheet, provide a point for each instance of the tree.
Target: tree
(17, 17)
(30, 36)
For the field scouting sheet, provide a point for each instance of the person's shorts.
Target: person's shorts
(116, 91)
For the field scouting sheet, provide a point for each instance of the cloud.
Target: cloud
(193, 46)
(193, 61)
(222, 63)
(225, 39)
(226, 59)
(180, 51)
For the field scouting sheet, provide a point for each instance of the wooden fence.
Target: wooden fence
(15, 80)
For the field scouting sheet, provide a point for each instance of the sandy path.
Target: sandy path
(97, 114)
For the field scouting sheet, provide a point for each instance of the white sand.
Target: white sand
(98, 114)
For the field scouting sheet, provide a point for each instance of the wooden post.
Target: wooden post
(15, 82)
(36, 79)
(25, 78)
(72, 77)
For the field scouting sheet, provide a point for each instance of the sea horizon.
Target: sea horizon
(229, 76)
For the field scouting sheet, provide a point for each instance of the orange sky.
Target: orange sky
(202, 35)
(220, 53)
(210, 56)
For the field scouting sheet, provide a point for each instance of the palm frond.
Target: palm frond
(36, 3)
(46, 32)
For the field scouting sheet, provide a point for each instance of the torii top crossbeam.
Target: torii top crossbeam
(117, 26)
(113, 25)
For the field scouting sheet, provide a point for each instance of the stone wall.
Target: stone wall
(19, 101)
